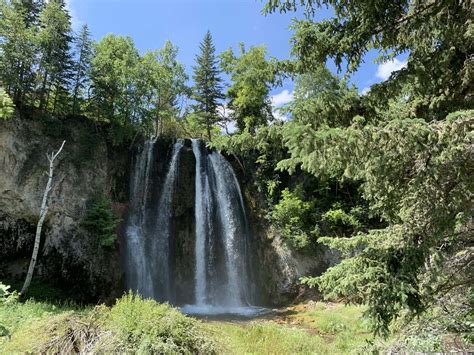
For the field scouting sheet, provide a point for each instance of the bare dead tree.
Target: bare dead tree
(43, 211)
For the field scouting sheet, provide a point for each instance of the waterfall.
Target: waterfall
(194, 252)
(138, 275)
(221, 226)
(231, 211)
(161, 242)
(147, 243)
(203, 223)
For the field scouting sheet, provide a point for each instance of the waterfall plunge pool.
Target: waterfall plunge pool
(224, 311)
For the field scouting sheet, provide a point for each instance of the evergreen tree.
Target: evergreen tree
(17, 47)
(54, 40)
(82, 65)
(207, 90)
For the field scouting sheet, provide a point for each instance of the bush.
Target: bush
(145, 326)
(101, 221)
(6, 105)
(291, 215)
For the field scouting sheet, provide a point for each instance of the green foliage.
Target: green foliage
(291, 215)
(54, 39)
(131, 91)
(132, 325)
(145, 326)
(436, 35)
(317, 329)
(6, 296)
(101, 222)
(18, 48)
(6, 105)
(416, 174)
(207, 90)
(340, 222)
(323, 100)
(252, 75)
(112, 75)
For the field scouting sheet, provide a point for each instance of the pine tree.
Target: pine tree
(82, 66)
(207, 84)
(17, 32)
(54, 39)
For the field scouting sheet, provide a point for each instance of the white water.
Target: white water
(139, 278)
(229, 218)
(162, 235)
(148, 240)
(221, 281)
(202, 209)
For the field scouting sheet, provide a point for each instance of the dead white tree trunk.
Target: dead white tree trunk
(44, 209)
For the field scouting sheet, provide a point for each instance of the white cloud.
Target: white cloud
(384, 70)
(282, 98)
(231, 127)
(279, 116)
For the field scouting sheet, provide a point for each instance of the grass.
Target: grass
(25, 323)
(306, 329)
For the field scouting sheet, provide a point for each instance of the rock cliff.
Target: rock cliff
(68, 257)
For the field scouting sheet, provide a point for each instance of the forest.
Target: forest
(382, 179)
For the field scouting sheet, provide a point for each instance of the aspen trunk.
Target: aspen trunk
(39, 226)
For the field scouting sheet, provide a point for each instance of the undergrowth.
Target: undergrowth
(132, 325)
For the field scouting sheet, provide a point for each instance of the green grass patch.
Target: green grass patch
(264, 337)
(312, 329)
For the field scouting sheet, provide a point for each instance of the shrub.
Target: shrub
(6, 105)
(291, 216)
(145, 326)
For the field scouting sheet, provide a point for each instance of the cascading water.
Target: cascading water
(148, 231)
(138, 275)
(160, 247)
(219, 261)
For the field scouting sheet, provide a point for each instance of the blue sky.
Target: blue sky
(184, 22)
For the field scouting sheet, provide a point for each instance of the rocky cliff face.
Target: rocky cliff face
(279, 267)
(73, 259)
(68, 255)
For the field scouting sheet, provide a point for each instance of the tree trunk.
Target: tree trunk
(43, 90)
(209, 131)
(39, 226)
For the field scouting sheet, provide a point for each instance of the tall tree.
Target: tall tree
(84, 49)
(252, 76)
(412, 159)
(82, 66)
(162, 82)
(207, 90)
(113, 76)
(17, 47)
(54, 40)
